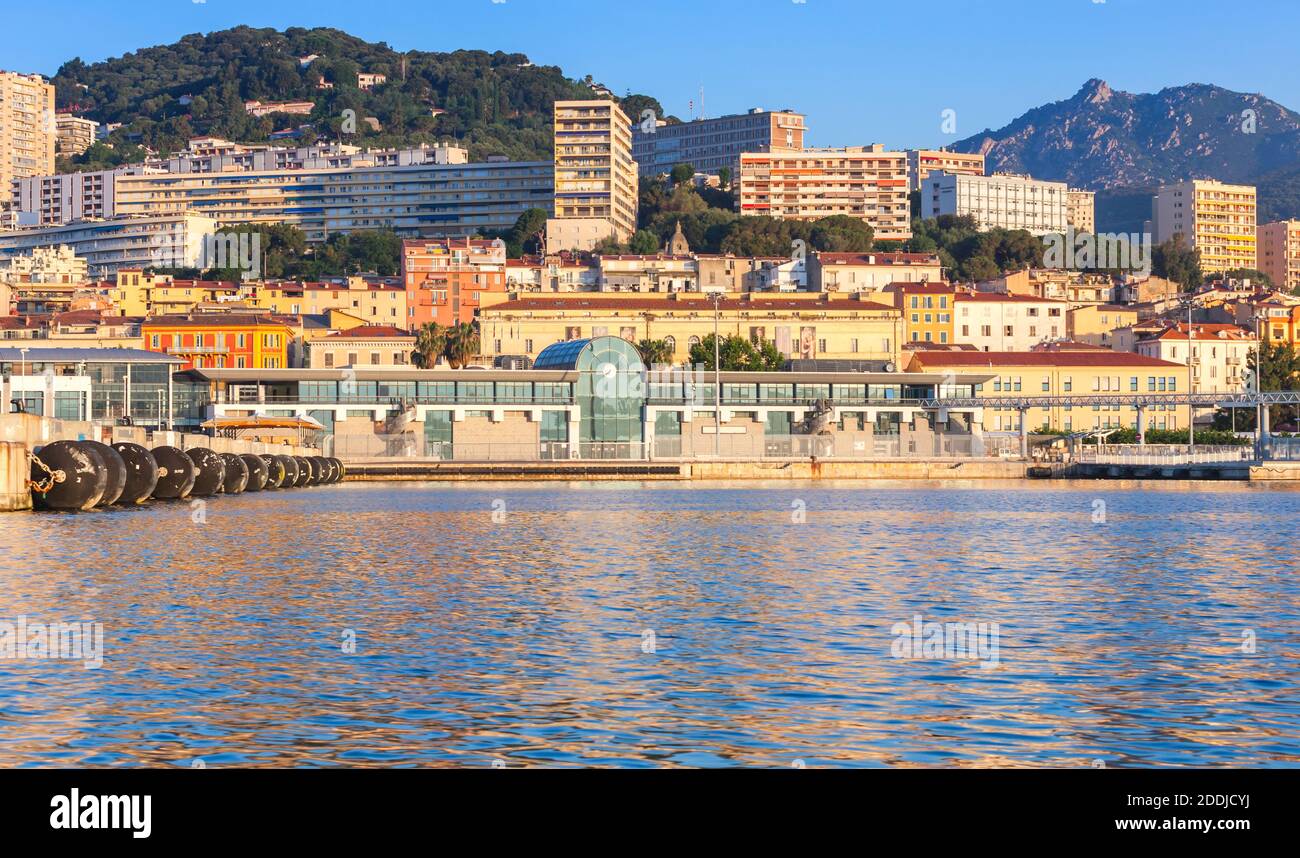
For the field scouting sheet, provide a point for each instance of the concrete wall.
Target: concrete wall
(14, 471)
(512, 437)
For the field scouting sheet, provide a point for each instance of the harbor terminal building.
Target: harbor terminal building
(594, 398)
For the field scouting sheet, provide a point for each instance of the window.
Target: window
(374, 358)
(329, 359)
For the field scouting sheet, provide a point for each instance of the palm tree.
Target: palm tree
(655, 352)
(462, 344)
(430, 344)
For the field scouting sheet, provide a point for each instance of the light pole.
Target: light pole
(717, 378)
(1191, 385)
(23, 353)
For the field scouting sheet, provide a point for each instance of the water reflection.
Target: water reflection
(520, 638)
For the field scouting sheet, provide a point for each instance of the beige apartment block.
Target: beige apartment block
(997, 322)
(1096, 324)
(1220, 354)
(364, 345)
(75, 134)
(1215, 218)
(1066, 372)
(595, 176)
(864, 182)
(1279, 253)
(27, 128)
(922, 162)
(1081, 210)
(870, 272)
(803, 326)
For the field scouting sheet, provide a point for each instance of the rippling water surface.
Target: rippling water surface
(508, 623)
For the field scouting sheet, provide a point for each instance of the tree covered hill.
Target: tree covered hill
(494, 103)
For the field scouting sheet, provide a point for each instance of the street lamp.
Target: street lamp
(716, 298)
(23, 353)
(1191, 386)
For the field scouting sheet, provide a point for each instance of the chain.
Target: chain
(43, 486)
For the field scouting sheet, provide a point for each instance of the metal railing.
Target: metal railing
(747, 447)
(1163, 454)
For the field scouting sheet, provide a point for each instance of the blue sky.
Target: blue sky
(863, 71)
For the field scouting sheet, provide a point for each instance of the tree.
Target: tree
(724, 178)
(655, 352)
(682, 174)
(1174, 260)
(841, 234)
(1254, 275)
(644, 242)
(737, 354)
(430, 344)
(462, 344)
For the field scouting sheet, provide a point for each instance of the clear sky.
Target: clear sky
(862, 70)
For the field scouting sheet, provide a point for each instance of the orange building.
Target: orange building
(221, 340)
(446, 277)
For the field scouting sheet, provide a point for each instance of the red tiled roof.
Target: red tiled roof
(370, 332)
(1104, 357)
(928, 286)
(1002, 297)
(891, 258)
(1204, 332)
(233, 320)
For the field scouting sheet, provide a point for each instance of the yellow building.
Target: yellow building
(864, 182)
(1279, 254)
(928, 310)
(1215, 218)
(811, 326)
(1096, 324)
(27, 128)
(596, 184)
(376, 303)
(75, 134)
(1082, 372)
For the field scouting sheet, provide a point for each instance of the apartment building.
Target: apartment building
(1279, 253)
(997, 322)
(1057, 284)
(1096, 324)
(165, 240)
(713, 144)
(446, 279)
(27, 128)
(596, 181)
(74, 134)
(999, 201)
(375, 302)
(928, 310)
(922, 162)
(322, 190)
(1081, 210)
(1215, 218)
(870, 272)
(864, 182)
(659, 272)
(220, 340)
(1066, 372)
(803, 326)
(364, 345)
(1219, 354)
